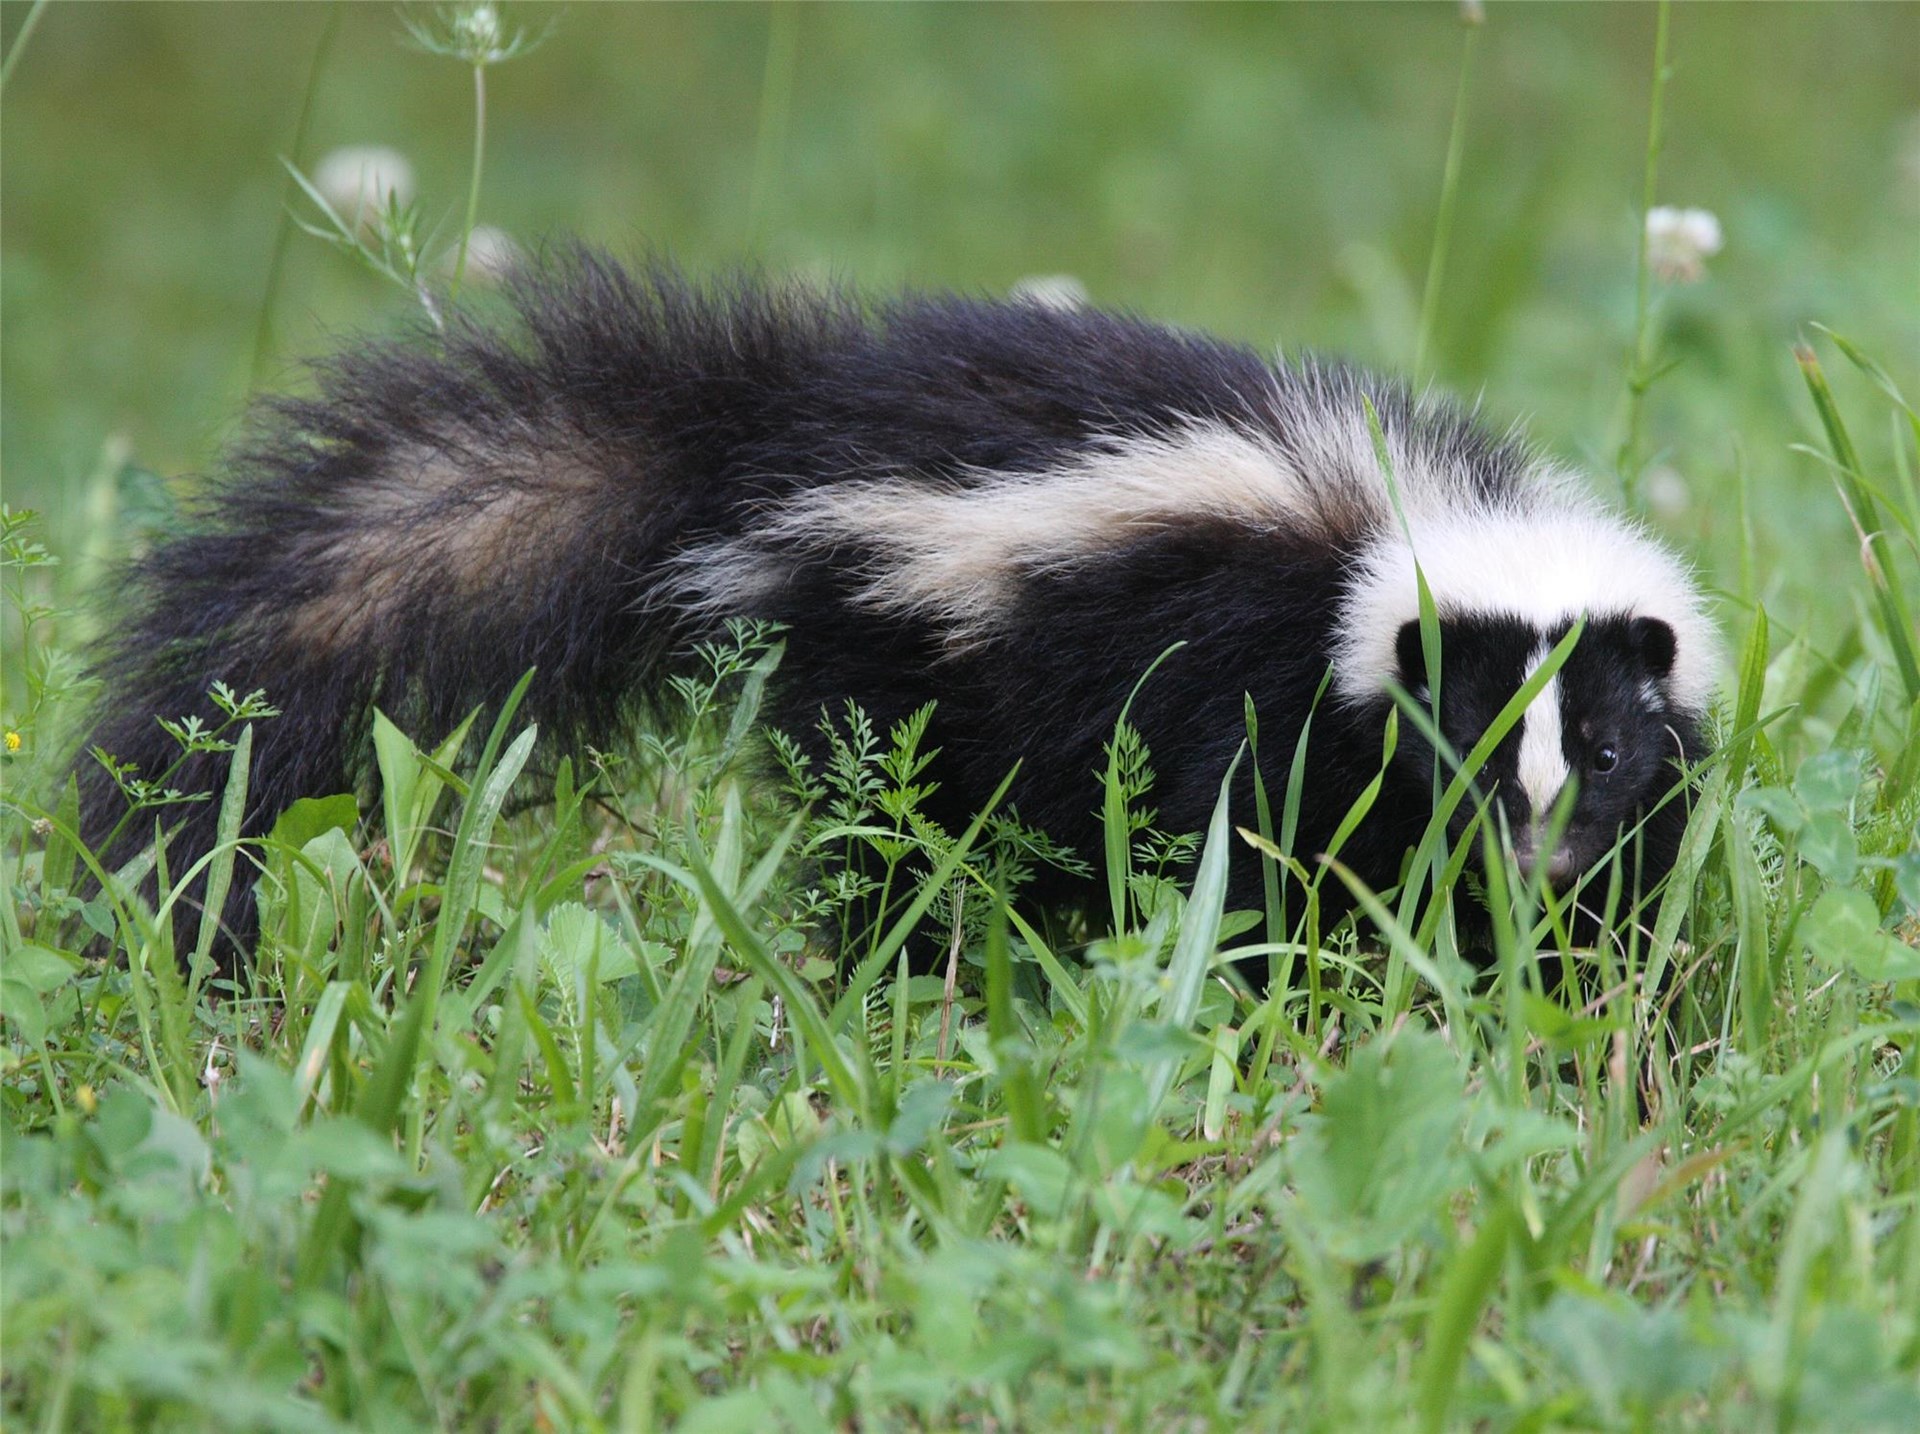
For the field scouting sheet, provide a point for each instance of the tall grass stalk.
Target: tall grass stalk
(1473, 19)
(776, 109)
(1641, 371)
(1878, 555)
(20, 43)
(283, 231)
(473, 178)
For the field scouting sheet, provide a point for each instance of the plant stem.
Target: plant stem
(473, 182)
(1640, 365)
(1864, 515)
(1449, 191)
(263, 333)
(20, 42)
(776, 104)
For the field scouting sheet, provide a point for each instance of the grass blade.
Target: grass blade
(233, 807)
(1198, 938)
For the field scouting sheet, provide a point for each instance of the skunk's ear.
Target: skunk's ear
(1653, 642)
(1411, 657)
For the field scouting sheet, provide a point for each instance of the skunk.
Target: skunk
(1004, 508)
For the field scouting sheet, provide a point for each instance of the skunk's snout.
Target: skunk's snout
(1559, 864)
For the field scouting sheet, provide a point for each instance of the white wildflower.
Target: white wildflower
(358, 179)
(1666, 492)
(478, 30)
(1050, 291)
(1680, 241)
(492, 254)
(474, 34)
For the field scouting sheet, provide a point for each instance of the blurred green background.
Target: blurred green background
(1268, 172)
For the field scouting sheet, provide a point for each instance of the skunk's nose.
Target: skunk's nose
(1559, 866)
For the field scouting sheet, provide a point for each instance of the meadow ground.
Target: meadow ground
(559, 1113)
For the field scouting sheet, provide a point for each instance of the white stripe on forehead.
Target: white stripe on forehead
(1545, 557)
(1543, 757)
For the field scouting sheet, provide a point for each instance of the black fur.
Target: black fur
(506, 498)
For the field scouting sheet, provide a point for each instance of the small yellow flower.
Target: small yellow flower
(84, 1096)
(13, 741)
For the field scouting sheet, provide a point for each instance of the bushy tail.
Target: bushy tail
(444, 514)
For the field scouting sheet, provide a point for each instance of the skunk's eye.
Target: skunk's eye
(1605, 759)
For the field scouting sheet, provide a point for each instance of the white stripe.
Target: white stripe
(1543, 760)
(1547, 557)
(953, 551)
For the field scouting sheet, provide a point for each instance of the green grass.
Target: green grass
(567, 1115)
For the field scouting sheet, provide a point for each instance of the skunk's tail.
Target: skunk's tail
(446, 513)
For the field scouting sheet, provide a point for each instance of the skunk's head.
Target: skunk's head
(1603, 735)
(1606, 732)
